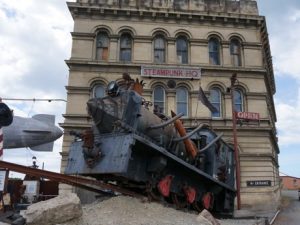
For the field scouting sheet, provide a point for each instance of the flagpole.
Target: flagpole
(235, 144)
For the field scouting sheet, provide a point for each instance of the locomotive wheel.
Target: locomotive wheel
(208, 200)
(179, 201)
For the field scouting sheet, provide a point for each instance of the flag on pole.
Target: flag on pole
(202, 97)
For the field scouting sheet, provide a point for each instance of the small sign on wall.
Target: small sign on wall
(259, 183)
(171, 72)
(247, 115)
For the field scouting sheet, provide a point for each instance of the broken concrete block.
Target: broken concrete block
(54, 211)
(207, 215)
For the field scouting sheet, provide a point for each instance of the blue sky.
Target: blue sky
(35, 40)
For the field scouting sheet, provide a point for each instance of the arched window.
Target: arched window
(125, 47)
(98, 91)
(214, 51)
(216, 101)
(182, 50)
(235, 52)
(182, 101)
(159, 49)
(238, 101)
(102, 42)
(159, 99)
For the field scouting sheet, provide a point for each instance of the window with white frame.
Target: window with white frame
(214, 51)
(182, 101)
(125, 47)
(235, 52)
(102, 42)
(182, 50)
(216, 100)
(159, 99)
(159, 49)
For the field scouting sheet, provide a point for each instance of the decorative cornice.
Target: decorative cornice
(248, 7)
(137, 66)
(96, 10)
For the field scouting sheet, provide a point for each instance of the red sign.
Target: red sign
(247, 115)
(171, 72)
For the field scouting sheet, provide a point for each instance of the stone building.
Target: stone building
(176, 47)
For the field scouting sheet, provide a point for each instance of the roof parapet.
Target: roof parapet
(247, 7)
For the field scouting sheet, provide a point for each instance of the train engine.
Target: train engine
(153, 154)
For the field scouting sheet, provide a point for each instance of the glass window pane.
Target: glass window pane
(159, 50)
(125, 48)
(126, 41)
(181, 94)
(182, 50)
(182, 108)
(98, 91)
(158, 94)
(159, 98)
(216, 114)
(238, 101)
(215, 99)
(102, 40)
(235, 51)
(159, 43)
(159, 56)
(125, 55)
(214, 51)
(102, 46)
(182, 100)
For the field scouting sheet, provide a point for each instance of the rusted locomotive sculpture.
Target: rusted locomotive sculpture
(153, 154)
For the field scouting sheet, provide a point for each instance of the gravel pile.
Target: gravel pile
(124, 210)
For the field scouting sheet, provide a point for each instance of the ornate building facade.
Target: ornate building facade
(176, 47)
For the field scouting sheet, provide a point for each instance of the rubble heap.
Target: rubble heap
(120, 210)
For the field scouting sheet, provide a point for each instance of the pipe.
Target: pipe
(189, 145)
(161, 125)
(189, 134)
(274, 218)
(210, 144)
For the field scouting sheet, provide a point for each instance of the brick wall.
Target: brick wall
(290, 183)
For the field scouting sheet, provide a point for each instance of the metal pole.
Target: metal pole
(235, 144)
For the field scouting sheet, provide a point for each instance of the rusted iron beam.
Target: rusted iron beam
(85, 183)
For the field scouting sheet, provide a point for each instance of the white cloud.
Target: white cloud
(288, 123)
(283, 20)
(34, 42)
(286, 46)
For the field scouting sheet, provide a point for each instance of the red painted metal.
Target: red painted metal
(207, 200)
(247, 115)
(235, 145)
(164, 185)
(189, 145)
(190, 194)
